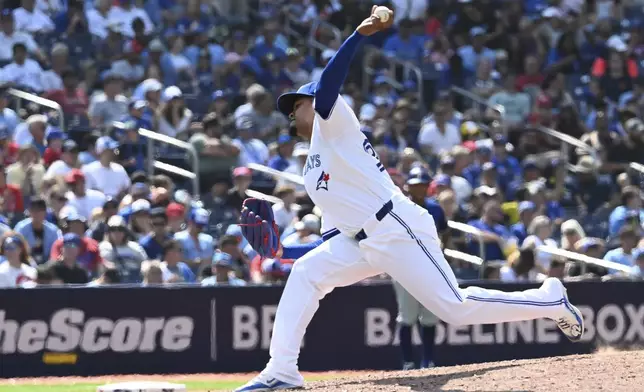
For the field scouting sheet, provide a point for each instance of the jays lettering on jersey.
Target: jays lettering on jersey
(343, 174)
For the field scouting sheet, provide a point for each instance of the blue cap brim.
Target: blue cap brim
(286, 101)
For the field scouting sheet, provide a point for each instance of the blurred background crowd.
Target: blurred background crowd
(457, 100)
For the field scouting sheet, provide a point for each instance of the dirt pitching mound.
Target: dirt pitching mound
(604, 371)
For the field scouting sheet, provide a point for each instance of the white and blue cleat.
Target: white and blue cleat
(571, 322)
(264, 383)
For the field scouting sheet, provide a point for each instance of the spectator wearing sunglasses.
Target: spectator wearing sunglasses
(153, 242)
(126, 255)
(173, 268)
(66, 266)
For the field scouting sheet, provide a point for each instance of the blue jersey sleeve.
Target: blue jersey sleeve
(297, 251)
(332, 78)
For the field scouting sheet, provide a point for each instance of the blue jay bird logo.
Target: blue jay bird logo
(323, 181)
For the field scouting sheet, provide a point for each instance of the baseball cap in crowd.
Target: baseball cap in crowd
(586, 243)
(12, 242)
(222, 259)
(171, 93)
(552, 12)
(487, 166)
(301, 149)
(418, 175)
(74, 175)
(200, 216)
(476, 31)
(443, 180)
(308, 222)
(70, 146)
(140, 205)
(137, 104)
(485, 190)
(499, 140)
(140, 189)
(219, 94)
(38, 203)
(276, 267)
(105, 143)
(72, 215)
(116, 221)
(529, 164)
(286, 101)
(382, 101)
(380, 79)
(526, 206)
(284, 139)
(175, 210)
(37, 119)
(72, 239)
(54, 133)
(327, 54)
(150, 85)
(367, 112)
(242, 171)
(156, 46)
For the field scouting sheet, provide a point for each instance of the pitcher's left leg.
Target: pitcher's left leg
(405, 245)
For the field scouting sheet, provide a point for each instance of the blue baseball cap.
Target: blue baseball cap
(222, 259)
(530, 164)
(283, 139)
(200, 216)
(71, 239)
(286, 101)
(13, 240)
(219, 94)
(443, 179)
(418, 175)
(526, 205)
(105, 143)
(54, 133)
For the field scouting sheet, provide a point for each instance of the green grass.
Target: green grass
(89, 387)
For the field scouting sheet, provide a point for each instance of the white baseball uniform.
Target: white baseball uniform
(345, 178)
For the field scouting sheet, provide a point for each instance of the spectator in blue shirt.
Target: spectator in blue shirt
(405, 46)
(222, 267)
(39, 234)
(495, 236)
(508, 166)
(476, 51)
(198, 247)
(267, 43)
(630, 211)
(8, 118)
(526, 214)
(282, 160)
(628, 239)
(153, 242)
(173, 269)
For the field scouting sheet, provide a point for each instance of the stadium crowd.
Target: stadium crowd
(78, 205)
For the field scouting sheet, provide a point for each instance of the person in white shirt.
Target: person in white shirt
(23, 72)
(306, 231)
(251, 149)
(68, 161)
(36, 125)
(52, 79)
(16, 269)
(540, 231)
(29, 18)
(105, 175)
(285, 211)
(9, 36)
(439, 135)
(173, 116)
(125, 13)
(97, 18)
(79, 198)
(130, 68)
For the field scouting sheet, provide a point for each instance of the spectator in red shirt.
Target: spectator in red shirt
(10, 197)
(54, 148)
(531, 79)
(71, 98)
(89, 257)
(8, 149)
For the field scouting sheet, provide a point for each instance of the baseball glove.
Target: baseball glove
(258, 227)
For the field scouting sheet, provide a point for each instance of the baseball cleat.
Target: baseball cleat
(265, 383)
(571, 323)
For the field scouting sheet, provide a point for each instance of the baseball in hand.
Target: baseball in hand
(382, 13)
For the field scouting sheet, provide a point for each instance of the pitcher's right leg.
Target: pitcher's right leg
(335, 263)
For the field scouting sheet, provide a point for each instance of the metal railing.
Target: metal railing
(566, 142)
(154, 164)
(482, 101)
(478, 234)
(408, 67)
(48, 103)
(585, 260)
(314, 43)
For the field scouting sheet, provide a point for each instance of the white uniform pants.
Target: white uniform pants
(405, 245)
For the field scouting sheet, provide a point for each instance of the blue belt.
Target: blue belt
(380, 215)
